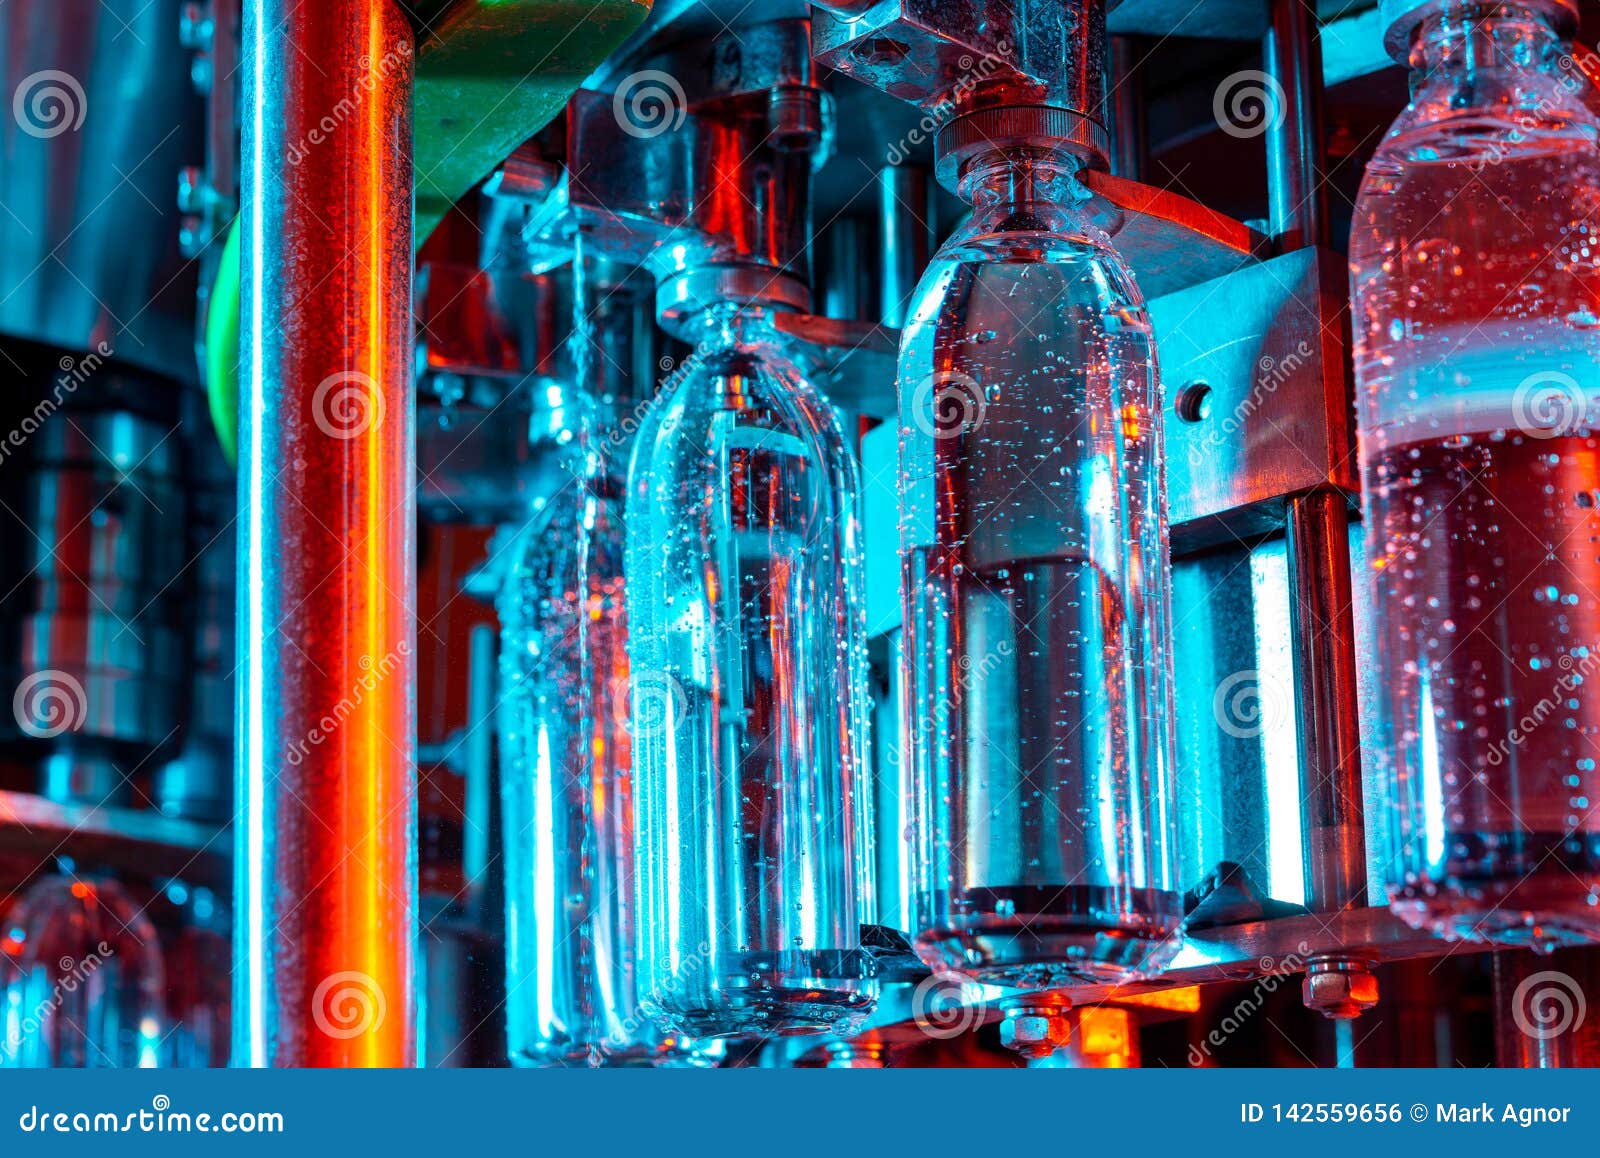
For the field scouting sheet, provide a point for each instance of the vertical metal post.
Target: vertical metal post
(1318, 545)
(1291, 55)
(1540, 1006)
(905, 215)
(1323, 626)
(1125, 110)
(325, 846)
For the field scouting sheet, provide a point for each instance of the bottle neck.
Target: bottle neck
(1022, 176)
(1467, 39)
(730, 325)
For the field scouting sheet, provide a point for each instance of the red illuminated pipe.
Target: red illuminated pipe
(325, 846)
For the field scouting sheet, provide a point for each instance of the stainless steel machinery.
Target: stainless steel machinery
(300, 344)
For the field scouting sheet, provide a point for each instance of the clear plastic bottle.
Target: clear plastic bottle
(1036, 588)
(86, 986)
(748, 695)
(564, 741)
(1475, 273)
(199, 968)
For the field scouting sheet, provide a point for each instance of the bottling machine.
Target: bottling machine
(863, 534)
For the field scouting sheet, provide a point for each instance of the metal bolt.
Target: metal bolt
(196, 28)
(1339, 988)
(857, 1055)
(1036, 1027)
(192, 189)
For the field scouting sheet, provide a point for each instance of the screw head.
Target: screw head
(1035, 1031)
(1340, 990)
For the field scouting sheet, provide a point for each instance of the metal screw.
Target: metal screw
(1339, 988)
(1037, 1026)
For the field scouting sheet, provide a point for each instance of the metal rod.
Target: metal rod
(1323, 628)
(1318, 523)
(1125, 110)
(1292, 57)
(1540, 1007)
(325, 845)
(906, 241)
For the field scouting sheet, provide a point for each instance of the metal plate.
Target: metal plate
(1266, 347)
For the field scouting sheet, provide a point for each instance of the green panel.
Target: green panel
(493, 74)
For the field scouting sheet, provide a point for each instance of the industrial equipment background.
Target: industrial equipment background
(922, 533)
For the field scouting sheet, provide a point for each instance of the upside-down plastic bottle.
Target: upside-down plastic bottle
(747, 637)
(85, 987)
(1475, 274)
(1036, 587)
(564, 735)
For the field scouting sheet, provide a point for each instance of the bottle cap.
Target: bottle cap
(1038, 126)
(683, 296)
(1400, 19)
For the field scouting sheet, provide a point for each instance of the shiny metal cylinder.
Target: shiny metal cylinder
(1541, 1009)
(325, 845)
(1318, 545)
(92, 602)
(1323, 627)
(906, 237)
(1295, 202)
(100, 116)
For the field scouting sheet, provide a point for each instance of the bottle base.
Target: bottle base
(1517, 914)
(1536, 890)
(770, 1012)
(1072, 941)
